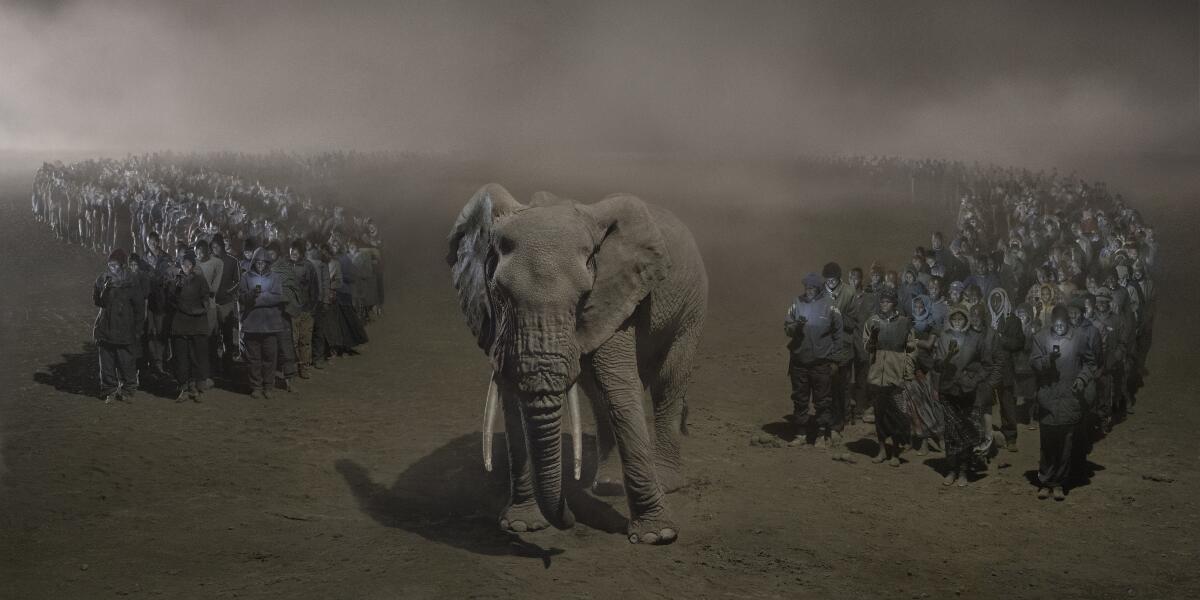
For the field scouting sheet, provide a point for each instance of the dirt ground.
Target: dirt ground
(368, 482)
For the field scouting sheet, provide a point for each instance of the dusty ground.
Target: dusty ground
(368, 483)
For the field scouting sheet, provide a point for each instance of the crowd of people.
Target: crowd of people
(308, 278)
(1041, 305)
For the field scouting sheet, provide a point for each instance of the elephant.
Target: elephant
(609, 298)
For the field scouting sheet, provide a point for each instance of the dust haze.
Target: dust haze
(1067, 84)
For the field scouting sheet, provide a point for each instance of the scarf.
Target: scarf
(1005, 307)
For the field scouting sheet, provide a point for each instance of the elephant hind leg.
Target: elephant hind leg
(669, 395)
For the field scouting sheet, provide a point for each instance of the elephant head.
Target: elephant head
(541, 285)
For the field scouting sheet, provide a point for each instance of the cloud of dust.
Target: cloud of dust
(1031, 83)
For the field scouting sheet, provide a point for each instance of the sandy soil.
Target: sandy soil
(368, 482)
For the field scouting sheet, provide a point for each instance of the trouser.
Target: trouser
(118, 371)
(843, 395)
(889, 421)
(261, 355)
(1054, 468)
(320, 344)
(860, 400)
(224, 340)
(812, 384)
(156, 343)
(190, 355)
(286, 349)
(302, 336)
(1008, 412)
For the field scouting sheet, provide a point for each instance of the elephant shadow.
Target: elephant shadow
(447, 497)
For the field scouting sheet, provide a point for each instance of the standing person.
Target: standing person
(322, 311)
(888, 338)
(157, 264)
(212, 268)
(261, 299)
(225, 343)
(309, 295)
(958, 359)
(863, 304)
(286, 352)
(814, 329)
(188, 326)
(364, 277)
(1066, 366)
(1116, 339)
(1008, 341)
(350, 326)
(119, 297)
(842, 299)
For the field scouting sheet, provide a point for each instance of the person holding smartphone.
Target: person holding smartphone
(1066, 364)
(261, 299)
(958, 360)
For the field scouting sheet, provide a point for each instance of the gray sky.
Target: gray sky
(1025, 82)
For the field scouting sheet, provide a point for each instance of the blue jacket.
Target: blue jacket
(262, 312)
(815, 329)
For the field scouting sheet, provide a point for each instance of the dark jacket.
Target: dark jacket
(188, 297)
(962, 372)
(815, 330)
(1060, 403)
(121, 309)
(308, 286)
(230, 278)
(289, 280)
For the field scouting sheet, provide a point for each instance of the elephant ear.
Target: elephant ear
(630, 260)
(470, 243)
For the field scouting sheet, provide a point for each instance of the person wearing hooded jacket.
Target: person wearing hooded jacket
(117, 328)
(261, 300)
(958, 361)
(814, 329)
(1066, 365)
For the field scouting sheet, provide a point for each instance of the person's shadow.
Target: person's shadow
(448, 498)
(78, 374)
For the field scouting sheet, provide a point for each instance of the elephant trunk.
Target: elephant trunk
(542, 415)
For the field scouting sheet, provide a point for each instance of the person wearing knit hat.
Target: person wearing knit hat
(1066, 364)
(117, 329)
(814, 329)
(890, 342)
(841, 296)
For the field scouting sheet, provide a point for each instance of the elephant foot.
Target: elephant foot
(523, 518)
(656, 532)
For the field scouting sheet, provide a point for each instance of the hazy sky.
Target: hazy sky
(1012, 81)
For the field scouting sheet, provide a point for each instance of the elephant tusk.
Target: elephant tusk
(576, 429)
(489, 418)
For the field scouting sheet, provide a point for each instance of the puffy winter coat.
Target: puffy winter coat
(188, 297)
(122, 309)
(815, 330)
(1056, 376)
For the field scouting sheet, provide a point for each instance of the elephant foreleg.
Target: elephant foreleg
(522, 513)
(615, 365)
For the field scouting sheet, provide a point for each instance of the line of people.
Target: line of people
(1042, 305)
(200, 311)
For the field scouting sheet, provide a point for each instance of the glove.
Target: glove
(1078, 385)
